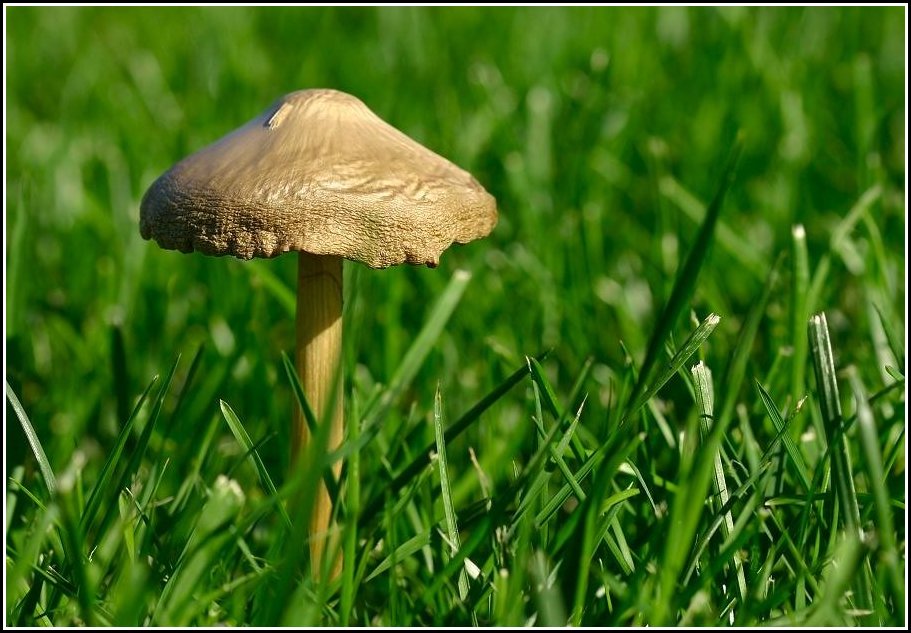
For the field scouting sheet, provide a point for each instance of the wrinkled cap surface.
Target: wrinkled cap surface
(320, 172)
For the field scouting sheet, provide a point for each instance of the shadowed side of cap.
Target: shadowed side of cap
(318, 172)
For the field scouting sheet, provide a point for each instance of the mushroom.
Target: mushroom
(319, 173)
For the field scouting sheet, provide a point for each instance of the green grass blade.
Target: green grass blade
(694, 481)
(830, 406)
(300, 396)
(689, 347)
(793, 452)
(100, 489)
(421, 460)
(47, 473)
(685, 282)
(408, 548)
(452, 528)
(352, 513)
(800, 288)
(555, 453)
(705, 404)
(553, 404)
(421, 347)
(142, 445)
(884, 525)
(839, 454)
(893, 336)
(243, 438)
(310, 419)
(735, 372)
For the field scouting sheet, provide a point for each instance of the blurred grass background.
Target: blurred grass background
(600, 131)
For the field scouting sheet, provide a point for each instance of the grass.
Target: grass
(669, 389)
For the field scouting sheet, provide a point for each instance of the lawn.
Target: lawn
(667, 389)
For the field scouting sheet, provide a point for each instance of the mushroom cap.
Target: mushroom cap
(319, 172)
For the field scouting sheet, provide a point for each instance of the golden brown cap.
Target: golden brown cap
(318, 172)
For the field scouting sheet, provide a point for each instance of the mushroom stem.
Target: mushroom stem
(319, 353)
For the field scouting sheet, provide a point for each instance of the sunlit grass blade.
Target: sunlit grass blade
(452, 528)
(47, 473)
(830, 406)
(705, 405)
(800, 283)
(689, 347)
(839, 453)
(243, 438)
(693, 486)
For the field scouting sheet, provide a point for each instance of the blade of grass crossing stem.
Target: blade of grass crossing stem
(310, 419)
(689, 347)
(685, 282)
(833, 423)
(47, 473)
(705, 405)
(291, 560)
(452, 528)
(243, 438)
(790, 447)
(294, 379)
(869, 440)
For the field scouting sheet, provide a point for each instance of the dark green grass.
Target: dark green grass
(622, 408)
